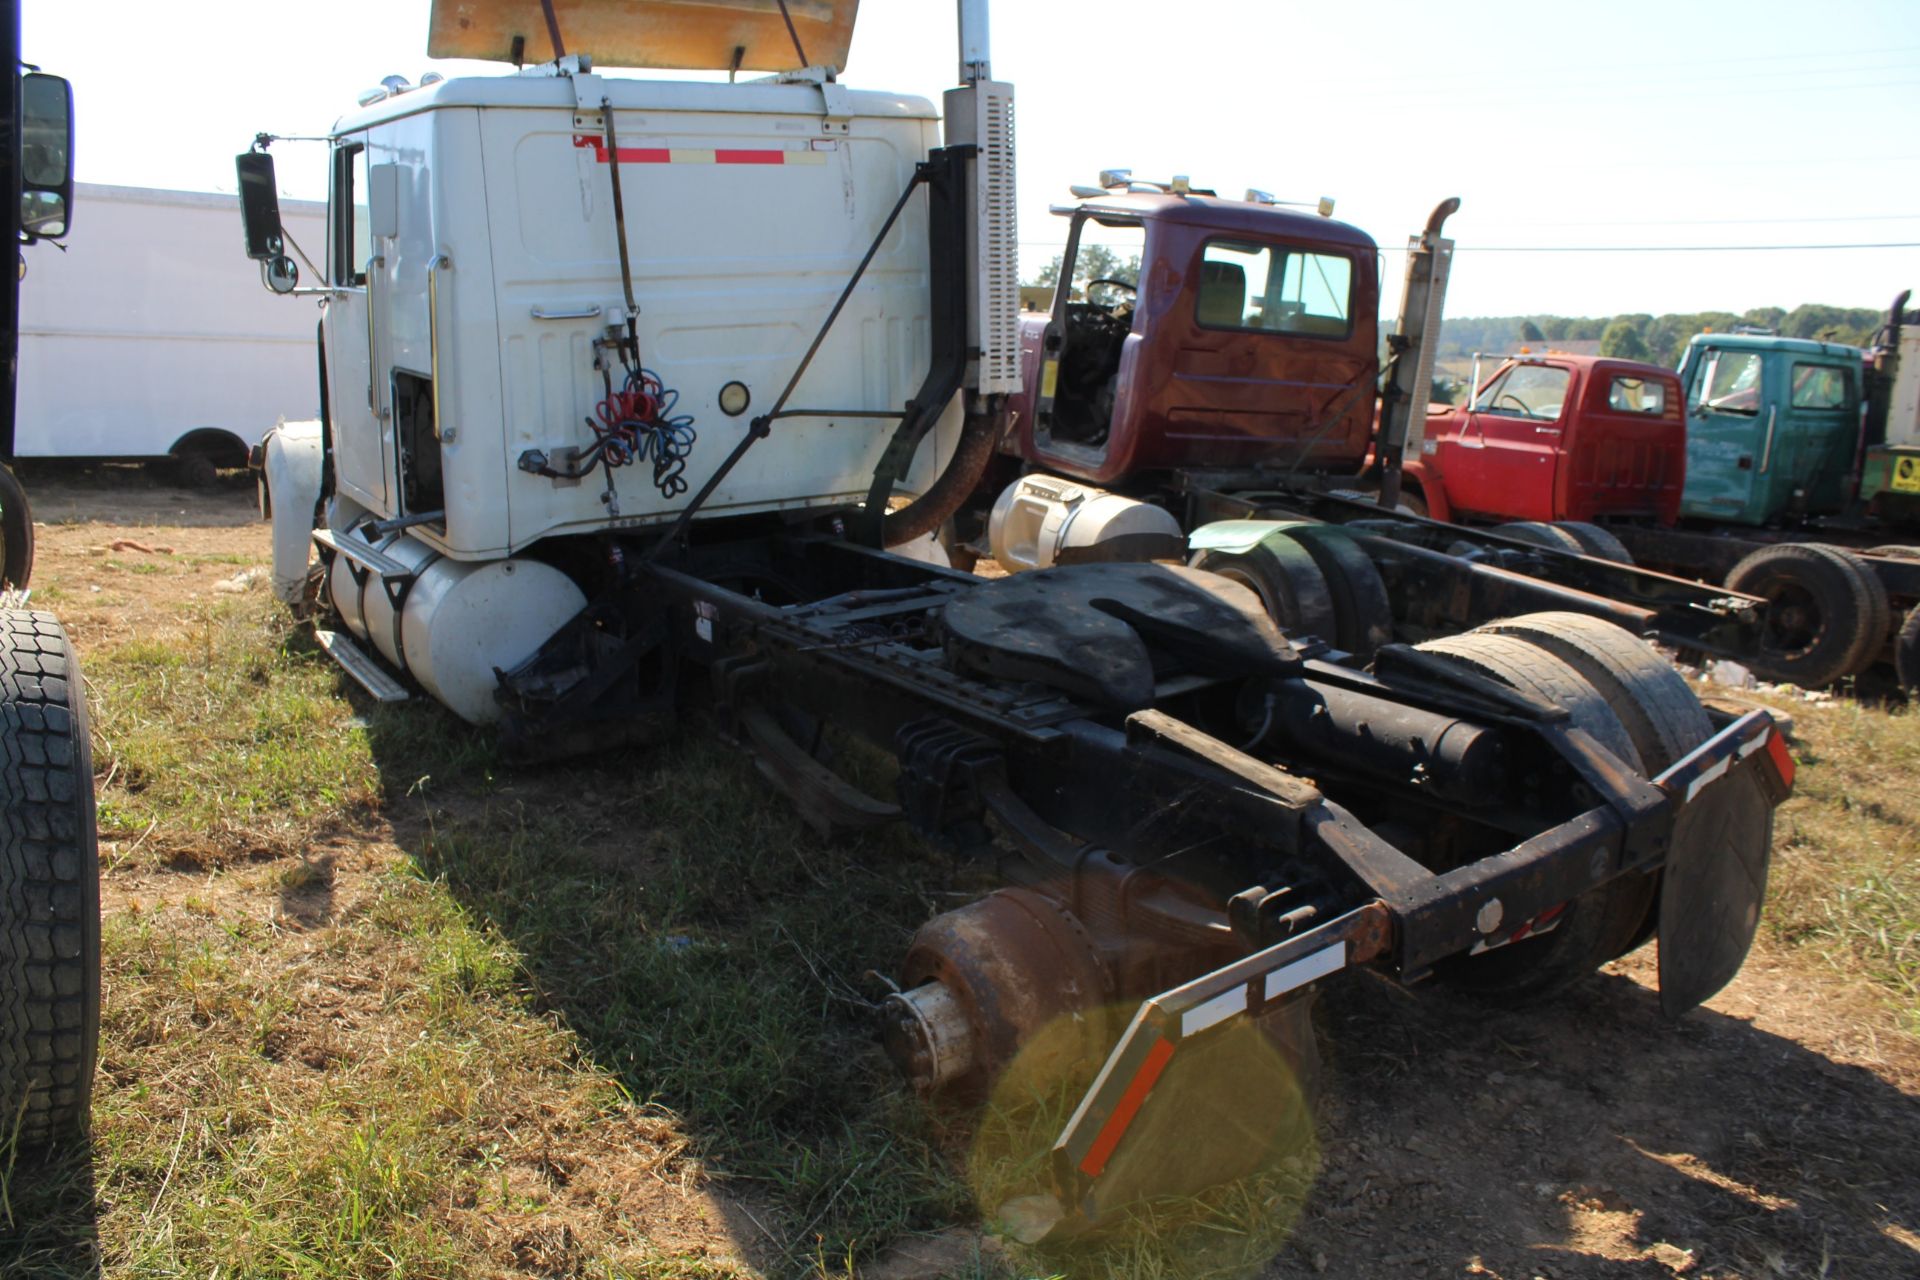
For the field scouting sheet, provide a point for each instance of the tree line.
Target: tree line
(1656, 339)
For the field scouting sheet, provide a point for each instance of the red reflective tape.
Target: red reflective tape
(664, 155)
(1782, 758)
(628, 155)
(1143, 1081)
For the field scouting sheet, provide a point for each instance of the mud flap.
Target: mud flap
(1716, 868)
(1231, 1100)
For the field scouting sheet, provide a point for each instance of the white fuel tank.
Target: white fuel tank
(1040, 521)
(459, 622)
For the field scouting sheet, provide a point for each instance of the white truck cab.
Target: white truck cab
(561, 303)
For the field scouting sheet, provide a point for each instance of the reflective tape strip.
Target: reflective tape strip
(700, 155)
(1215, 1011)
(1142, 1084)
(1782, 758)
(1713, 771)
(1306, 969)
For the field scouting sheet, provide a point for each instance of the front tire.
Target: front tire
(16, 532)
(49, 888)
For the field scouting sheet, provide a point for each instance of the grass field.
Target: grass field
(379, 1003)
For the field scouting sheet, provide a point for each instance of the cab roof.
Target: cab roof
(1216, 213)
(1599, 365)
(1774, 342)
(760, 97)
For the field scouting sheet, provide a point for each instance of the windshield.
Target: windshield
(1526, 391)
(1730, 384)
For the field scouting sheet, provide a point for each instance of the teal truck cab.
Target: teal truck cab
(1773, 427)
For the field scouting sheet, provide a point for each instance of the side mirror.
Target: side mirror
(259, 206)
(281, 274)
(46, 156)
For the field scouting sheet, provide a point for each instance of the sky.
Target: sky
(1651, 130)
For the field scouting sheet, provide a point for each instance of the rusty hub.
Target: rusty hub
(1012, 975)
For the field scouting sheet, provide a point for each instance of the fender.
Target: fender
(290, 467)
(1432, 488)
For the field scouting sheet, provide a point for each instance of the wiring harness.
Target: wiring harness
(638, 421)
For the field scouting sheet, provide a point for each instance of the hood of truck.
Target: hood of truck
(687, 35)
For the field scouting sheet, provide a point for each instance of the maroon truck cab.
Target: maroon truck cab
(1251, 339)
(1558, 437)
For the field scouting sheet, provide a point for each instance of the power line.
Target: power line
(1720, 222)
(1673, 248)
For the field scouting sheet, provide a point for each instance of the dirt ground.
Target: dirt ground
(1772, 1133)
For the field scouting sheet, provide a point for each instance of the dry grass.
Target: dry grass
(1846, 871)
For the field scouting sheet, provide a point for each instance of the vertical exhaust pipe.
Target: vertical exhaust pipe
(1409, 381)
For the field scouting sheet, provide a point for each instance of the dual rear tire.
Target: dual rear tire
(1314, 581)
(1827, 613)
(1632, 702)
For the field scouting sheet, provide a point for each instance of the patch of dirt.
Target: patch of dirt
(118, 552)
(1767, 1134)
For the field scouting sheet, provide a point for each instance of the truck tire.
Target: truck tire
(1878, 622)
(1596, 541)
(1906, 652)
(49, 887)
(1601, 923)
(1363, 615)
(195, 469)
(1282, 573)
(1813, 633)
(1541, 534)
(16, 532)
(1661, 714)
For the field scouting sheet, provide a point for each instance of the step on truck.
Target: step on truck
(630, 386)
(1780, 467)
(49, 866)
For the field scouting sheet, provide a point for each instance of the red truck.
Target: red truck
(1562, 439)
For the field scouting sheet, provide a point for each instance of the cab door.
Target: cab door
(1817, 430)
(362, 420)
(1729, 436)
(1504, 459)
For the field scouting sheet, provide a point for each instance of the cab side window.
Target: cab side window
(1637, 395)
(1274, 289)
(348, 224)
(1819, 386)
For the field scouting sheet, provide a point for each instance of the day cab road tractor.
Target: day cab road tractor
(1231, 403)
(631, 385)
(49, 866)
(1773, 465)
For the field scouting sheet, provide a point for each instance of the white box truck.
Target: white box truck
(149, 338)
